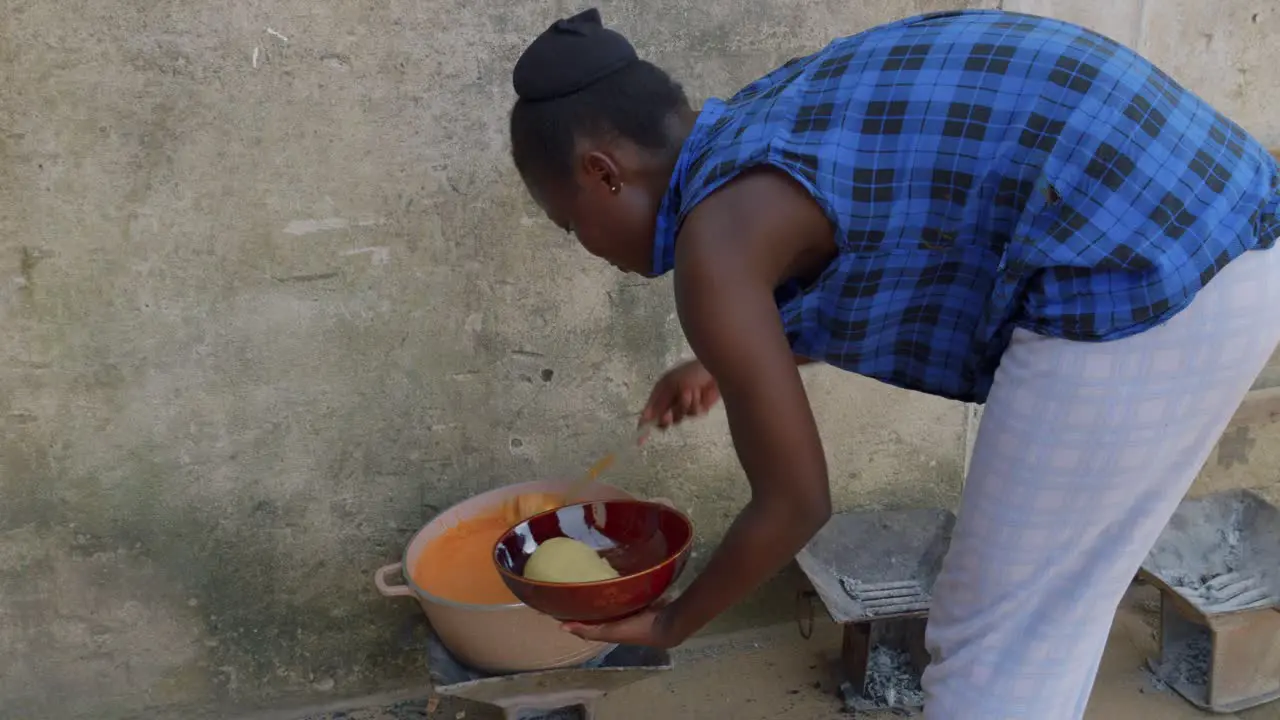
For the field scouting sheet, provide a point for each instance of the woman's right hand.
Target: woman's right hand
(686, 390)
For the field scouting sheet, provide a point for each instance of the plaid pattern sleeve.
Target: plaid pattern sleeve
(985, 171)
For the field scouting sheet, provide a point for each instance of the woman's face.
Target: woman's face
(609, 209)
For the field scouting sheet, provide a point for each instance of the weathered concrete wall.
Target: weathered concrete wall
(270, 294)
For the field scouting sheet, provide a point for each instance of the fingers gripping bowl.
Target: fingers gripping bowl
(648, 543)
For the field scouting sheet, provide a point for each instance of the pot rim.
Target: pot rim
(407, 572)
(406, 568)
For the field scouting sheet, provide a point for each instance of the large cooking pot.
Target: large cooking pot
(493, 638)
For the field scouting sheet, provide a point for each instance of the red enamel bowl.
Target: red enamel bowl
(648, 544)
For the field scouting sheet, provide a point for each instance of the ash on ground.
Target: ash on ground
(892, 683)
(1187, 666)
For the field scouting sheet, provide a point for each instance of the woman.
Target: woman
(979, 205)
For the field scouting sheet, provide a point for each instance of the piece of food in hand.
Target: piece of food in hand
(564, 560)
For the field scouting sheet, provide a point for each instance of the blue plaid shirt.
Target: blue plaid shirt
(984, 171)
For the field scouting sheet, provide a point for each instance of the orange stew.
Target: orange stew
(458, 565)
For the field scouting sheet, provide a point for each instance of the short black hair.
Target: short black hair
(636, 102)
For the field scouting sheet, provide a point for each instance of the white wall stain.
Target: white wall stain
(307, 227)
(329, 224)
(378, 254)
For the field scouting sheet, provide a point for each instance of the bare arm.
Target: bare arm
(729, 261)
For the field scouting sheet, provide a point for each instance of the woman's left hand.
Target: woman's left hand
(646, 629)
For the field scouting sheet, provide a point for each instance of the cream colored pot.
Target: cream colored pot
(493, 638)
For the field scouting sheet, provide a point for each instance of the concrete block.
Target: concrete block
(1247, 456)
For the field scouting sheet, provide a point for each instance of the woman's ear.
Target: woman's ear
(600, 168)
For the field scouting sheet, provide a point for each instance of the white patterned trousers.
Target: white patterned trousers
(1083, 453)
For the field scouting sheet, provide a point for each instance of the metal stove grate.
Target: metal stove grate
(564, 694)
(576, 712)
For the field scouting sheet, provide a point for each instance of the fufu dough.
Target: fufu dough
(565, 560)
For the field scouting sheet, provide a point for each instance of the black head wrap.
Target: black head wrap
(569, 56)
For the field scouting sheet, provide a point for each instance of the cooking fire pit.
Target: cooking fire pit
(874, 571)
(1217, 566)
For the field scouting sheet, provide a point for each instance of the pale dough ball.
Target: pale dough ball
(564, 560)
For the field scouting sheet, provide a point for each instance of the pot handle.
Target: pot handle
(380, 581)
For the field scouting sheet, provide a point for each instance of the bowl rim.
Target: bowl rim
(662, 506)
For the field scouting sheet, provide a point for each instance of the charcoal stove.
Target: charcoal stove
(873, 572)
(563, 694)
(1217, 566)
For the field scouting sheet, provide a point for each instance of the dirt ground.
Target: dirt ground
(772, 673)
